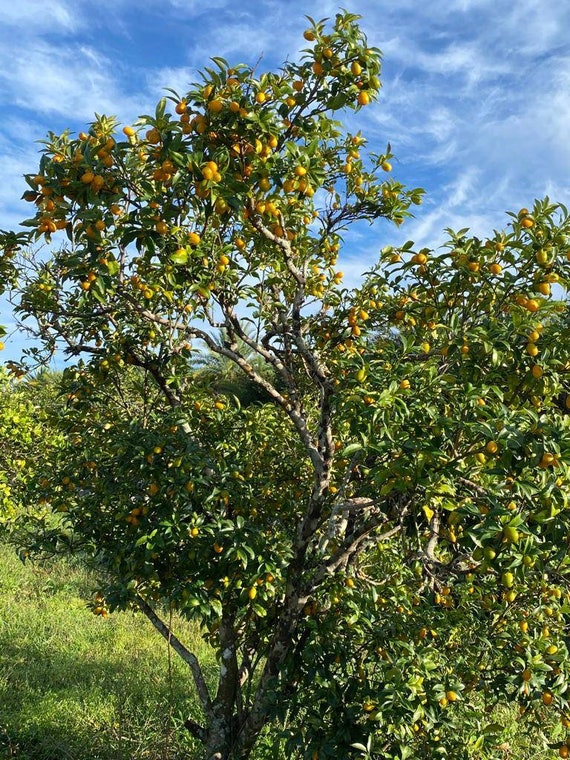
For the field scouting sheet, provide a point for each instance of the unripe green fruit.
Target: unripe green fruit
(507, 579)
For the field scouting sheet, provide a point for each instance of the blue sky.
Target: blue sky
(476, 96)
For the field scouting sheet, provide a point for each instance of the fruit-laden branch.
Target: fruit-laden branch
(171, 396)
(282, 242)
(313, 365)
(189, 658)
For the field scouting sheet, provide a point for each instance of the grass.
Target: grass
(75, 686)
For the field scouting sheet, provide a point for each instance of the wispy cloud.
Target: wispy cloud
(37, 16)
(71, 81)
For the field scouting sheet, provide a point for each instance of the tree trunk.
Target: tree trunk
(223, 743)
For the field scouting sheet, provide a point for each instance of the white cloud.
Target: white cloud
(193, 8)
(72, 82)
(37, 16)
(177, 79)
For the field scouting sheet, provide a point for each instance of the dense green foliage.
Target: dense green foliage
(24, 423)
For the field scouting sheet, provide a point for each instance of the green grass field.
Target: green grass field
(76, 686)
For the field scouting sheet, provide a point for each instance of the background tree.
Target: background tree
(222, 376)
(387, 538)
(24, 415)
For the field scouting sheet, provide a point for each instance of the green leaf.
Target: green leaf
(352, 448)
(179, 257)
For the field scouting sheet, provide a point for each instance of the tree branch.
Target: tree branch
(189, 658)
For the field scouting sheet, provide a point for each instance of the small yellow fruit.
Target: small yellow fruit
(510, 534)
(507, 579)
(547, 459)
(153, 136)
(361, 374)
(547, 698)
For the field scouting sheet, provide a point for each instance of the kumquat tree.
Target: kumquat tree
(377, 546)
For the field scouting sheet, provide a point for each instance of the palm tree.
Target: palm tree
(221, 375)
